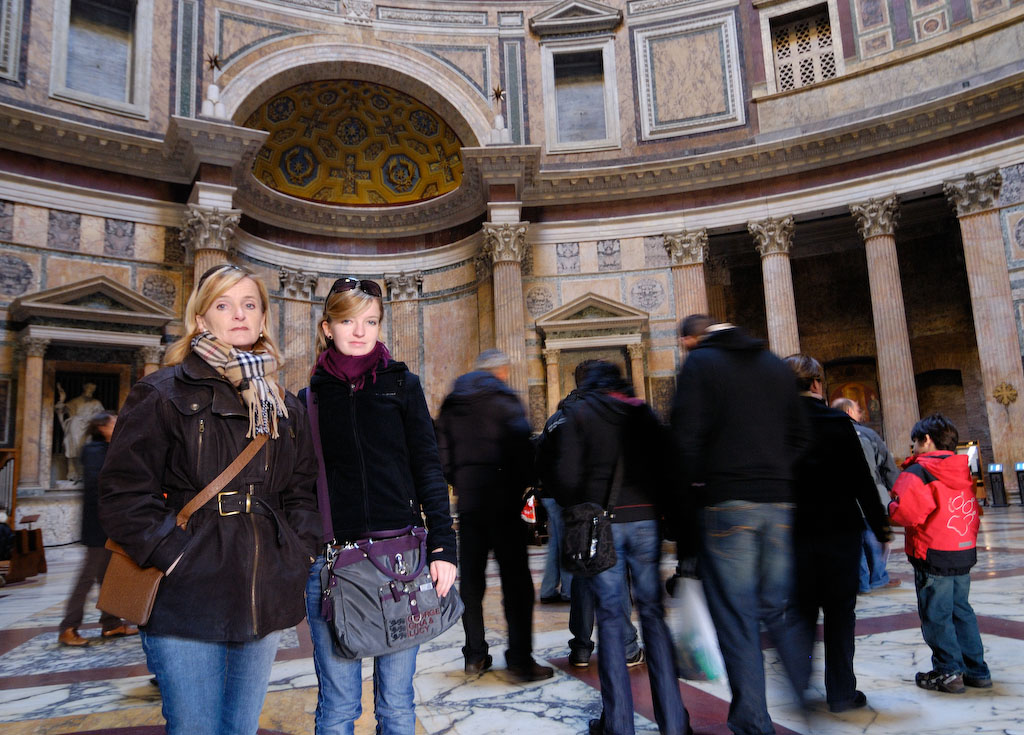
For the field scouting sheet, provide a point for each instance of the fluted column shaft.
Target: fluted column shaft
(774, 238)
(297, 342)
(992, 303)
(506, 244)
(687, 251)
(405, 319)
(30, 406)
(636, 366)
(876, 219)
(553, 379)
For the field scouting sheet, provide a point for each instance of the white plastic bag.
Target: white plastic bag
(697, 654)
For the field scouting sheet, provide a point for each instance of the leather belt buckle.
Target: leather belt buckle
(220, 503)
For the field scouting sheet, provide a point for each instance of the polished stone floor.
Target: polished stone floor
(45, 688)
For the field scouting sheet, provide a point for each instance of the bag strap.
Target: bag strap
(322, 498)
(616, 484)
(221, 480)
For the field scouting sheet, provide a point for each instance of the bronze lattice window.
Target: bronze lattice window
(804, 53)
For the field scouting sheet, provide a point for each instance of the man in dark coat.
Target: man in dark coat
(738, 429)
(484, 439)
(98, 433)
(835, 495)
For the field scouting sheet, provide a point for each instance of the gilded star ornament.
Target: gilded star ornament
(498, 93)
(1005, 394)
(213, 61)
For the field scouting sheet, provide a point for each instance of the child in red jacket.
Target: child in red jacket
(933, 498)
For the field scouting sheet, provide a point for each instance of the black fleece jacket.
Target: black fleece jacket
(599, 428)
(737, 421)
(484, 439)
(381, 461)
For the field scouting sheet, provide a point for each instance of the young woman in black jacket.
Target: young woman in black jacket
(383, 473)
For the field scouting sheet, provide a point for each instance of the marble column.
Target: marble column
(506, 244)
(876, 219)
(30, 407)
(774, 238)
(405, 317)
(636, 367)
(151, 358)
(553, 378)
(687, 251)
(209, 233)
(717, 277)
(297, 344)
(974, 197)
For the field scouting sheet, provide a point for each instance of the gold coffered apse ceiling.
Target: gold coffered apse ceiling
(355, 143)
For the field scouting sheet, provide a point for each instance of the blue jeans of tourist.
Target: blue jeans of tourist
(210, 687)
(747, 566)
(556, 582)
(581, 619)
(339, 702)
(948, 624)
(638, 548)
(873, 559)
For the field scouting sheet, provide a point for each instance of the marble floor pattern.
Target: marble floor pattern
(45, 688)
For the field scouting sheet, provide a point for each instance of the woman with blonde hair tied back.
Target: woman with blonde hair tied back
(383, 472)
(234, 575)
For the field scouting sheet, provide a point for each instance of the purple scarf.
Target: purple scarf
(354, 369)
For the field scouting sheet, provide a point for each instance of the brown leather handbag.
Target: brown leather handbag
(129, 590)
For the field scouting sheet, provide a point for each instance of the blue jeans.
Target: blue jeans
(555, 577)
(581, 618)
(748, 571)
(948, 624)
(873, 559)
(339, 701)
(210, 687)
(638, 548)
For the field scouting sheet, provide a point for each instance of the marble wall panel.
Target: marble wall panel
(984, 8)
(655, 255)
(661, 361)
(238, 34)
(1012, 190)
(650, 292)
(450, 328)
(687, 73)
(588, 257)
(63, 230)
(174, 248)
(20, 273)
(6, 220)
(538, 407)
(1014, 234)
(162, 286)
(460, 275)
(31, 225)
(149, 242)
(929, 26)
(62, 271)
(539, 299)
(92, 235)
(119, 238)
(608, 287)
(568, 256)
(663, 390)
(609, 255)
(633, 253)
(545, 259)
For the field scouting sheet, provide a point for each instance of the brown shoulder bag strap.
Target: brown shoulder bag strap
(221, 480)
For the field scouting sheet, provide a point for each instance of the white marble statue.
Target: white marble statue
(74, 419)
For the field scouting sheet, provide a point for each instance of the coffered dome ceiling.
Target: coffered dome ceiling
(355, 143)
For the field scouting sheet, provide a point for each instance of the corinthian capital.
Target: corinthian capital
(34, 346)
(404, 286)
(974, 193)
(772, 235)
(296, 283)
(151, 355)
(689, 247)
(204, 228)
(506, 242)
(635, 351)
(877, 216)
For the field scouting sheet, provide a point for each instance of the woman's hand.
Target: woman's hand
(443, 574)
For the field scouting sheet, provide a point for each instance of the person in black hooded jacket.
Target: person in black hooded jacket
(484, 440)
(613, 442)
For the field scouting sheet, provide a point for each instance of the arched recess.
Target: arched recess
(406, 69)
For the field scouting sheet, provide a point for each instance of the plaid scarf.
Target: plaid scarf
(246, 371)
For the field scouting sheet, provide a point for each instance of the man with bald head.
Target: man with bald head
(874, 556)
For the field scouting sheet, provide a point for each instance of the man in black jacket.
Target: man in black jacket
(484, 439)
(614, 446)
(835, 495)
(738, 429)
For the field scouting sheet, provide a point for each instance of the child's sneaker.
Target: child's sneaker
(941, 681)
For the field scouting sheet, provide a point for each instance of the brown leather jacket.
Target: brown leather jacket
(241, 576)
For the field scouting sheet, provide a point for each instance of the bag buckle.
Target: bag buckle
(220, 503)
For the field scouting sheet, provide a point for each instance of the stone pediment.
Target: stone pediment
(97, 299)
(591, 313)
(576, 16)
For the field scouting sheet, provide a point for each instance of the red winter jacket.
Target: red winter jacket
(933, 498)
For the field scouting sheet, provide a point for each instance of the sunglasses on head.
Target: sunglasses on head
(347, 283)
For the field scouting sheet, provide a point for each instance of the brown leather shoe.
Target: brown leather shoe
(121, 630)
(70, 637)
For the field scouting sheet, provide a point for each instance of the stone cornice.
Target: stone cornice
(191, 141)
(877, 216)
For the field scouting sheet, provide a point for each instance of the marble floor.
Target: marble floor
(45, 688)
